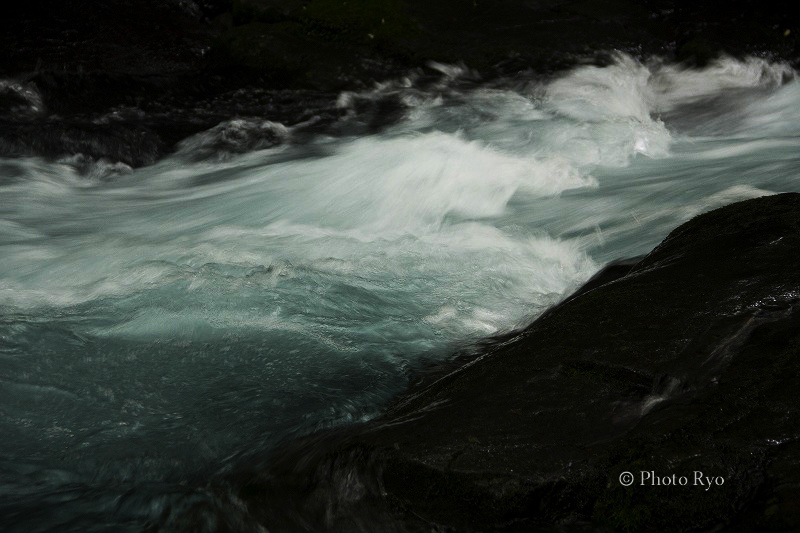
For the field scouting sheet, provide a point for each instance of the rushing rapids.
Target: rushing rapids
(263, 282)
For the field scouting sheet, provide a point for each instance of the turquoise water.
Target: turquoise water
(157, 323)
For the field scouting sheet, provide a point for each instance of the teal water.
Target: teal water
(157, 323)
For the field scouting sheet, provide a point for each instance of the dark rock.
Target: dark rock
(267, 10)
(290, 54)
(19, 99)
(383, 24)
(145, 37)
(233, 137)
(499, 38)
(275, 49)
(689, 362)
(54, 139)
(213, 8)
(703, 30)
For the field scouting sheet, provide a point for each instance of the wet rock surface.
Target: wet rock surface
(685, 363)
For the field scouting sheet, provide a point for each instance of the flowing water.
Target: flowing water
(157, 323)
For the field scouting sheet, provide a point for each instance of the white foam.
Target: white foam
(775, 115)
(595, 94)
(671, 86)
(447, 201)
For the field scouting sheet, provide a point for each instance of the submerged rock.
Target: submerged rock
(233, 137)
(682, 370)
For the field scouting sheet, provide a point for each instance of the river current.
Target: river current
(156, 324)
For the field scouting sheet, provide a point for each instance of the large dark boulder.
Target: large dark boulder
(686, 363)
